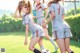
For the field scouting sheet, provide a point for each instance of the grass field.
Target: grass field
(13, 42)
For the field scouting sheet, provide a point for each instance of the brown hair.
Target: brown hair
(54, 1)
(23, 3)
(29, 6)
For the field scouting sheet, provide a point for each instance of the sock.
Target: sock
(42, 47)
(36, 51)
(51, 40)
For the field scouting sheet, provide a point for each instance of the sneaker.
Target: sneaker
(47, 51)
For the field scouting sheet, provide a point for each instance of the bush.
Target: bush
(74, 22)
(11, 24)
(50, 29)
(71, 12)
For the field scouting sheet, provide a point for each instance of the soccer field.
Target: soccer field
(13, 42)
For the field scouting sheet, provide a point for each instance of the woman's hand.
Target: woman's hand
(44, 23)
(26, 36)
(25, 42)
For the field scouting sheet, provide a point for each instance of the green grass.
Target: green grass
(13, 42)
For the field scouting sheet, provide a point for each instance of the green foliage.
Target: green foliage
(50, 29)
(10, 24)
(74, 22)
(71, 12)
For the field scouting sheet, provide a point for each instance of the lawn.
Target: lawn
(13, 43)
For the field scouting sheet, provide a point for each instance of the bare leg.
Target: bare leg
(61, 45)
(33, 42)
(67, 43)
(41, 44)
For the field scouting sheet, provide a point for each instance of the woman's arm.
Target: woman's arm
(26, 36)
(16, 15)
(52, 15)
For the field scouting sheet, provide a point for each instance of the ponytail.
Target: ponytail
(20, 4)
(29, 5)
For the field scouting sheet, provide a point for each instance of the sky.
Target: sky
(9, 4)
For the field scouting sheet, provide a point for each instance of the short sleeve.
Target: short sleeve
(50, 8)
(43, 6)
(63, 12)
(27, 20)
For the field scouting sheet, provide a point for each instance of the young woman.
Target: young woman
(24, 10)
(40, 8)
(61, 30)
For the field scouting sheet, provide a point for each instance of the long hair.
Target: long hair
(54, 1)
(29, 6)
(20, 5)
(23, 3)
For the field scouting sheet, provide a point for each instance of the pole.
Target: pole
(75, 8)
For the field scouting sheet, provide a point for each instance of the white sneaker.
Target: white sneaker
(45, 51)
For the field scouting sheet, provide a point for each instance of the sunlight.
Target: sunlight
(10, 4)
